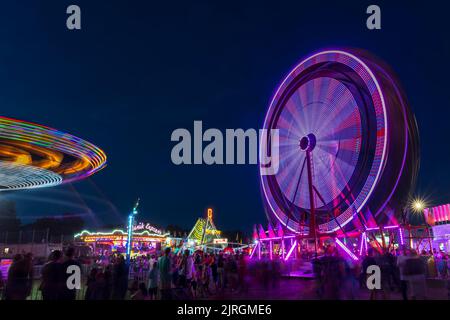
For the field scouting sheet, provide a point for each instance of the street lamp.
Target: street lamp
(130, 229)
(418, 205)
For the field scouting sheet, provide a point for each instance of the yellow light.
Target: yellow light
(418, 205)
(210, 213)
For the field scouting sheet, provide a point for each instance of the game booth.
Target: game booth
(439, 219)
(205, 236)
(146, 239)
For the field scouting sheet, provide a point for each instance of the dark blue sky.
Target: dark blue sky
(138, 70)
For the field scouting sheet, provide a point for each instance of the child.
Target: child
(153, 281)
(194, 282)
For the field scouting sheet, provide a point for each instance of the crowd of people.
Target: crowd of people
(158, 276)
(20, 278)
(200, 275)
(403, 271)
(182, 276)
(19, 282)
(192, 276)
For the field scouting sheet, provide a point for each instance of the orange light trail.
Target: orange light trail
(29, 151)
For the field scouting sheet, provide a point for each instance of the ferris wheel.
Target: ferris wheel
(347, 149)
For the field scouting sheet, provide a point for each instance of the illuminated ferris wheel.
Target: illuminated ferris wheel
(348, 146)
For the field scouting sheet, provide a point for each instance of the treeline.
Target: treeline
(66, 224)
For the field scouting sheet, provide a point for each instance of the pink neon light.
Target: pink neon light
(402, 241)
(291, 250)
(346, 249)
(363, 238)
(259, 251)
(271, 249)
(365, 242)
(277, 238)
(377, 228)
(427, 215)
(253, 251)
(361, 68)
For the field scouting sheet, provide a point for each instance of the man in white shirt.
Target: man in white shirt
(401, 263)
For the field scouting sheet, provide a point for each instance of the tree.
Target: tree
(8, 217)
(174, 229)
(233, 235)
(67, 225)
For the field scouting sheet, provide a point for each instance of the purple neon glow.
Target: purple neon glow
(325, 107)
(377, 228)
(254, 249)
(402, 240)
(277, 238)
(363, 238)
(437, 214)
(344, 247)
(259, 250)
(405, 150)
(294, 245)
(365, 242)
(271, 249)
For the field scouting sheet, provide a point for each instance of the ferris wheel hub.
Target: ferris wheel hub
(308, 142)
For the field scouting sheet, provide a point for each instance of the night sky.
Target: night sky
(137, 71)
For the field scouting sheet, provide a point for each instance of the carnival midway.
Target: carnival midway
(342, 200)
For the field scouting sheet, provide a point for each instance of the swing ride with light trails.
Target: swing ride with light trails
(36, 156)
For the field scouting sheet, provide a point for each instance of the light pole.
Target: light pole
(130, 230)
(418, 205)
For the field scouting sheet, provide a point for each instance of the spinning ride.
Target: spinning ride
(33, 156)
(348, 147)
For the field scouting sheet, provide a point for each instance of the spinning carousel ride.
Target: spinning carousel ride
(34, 156)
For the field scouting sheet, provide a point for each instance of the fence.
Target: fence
(34, 236)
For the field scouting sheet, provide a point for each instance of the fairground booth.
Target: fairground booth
(206, 237)
(439, 219)
(146, 239)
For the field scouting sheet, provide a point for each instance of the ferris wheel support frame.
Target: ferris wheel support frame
(312, 219)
